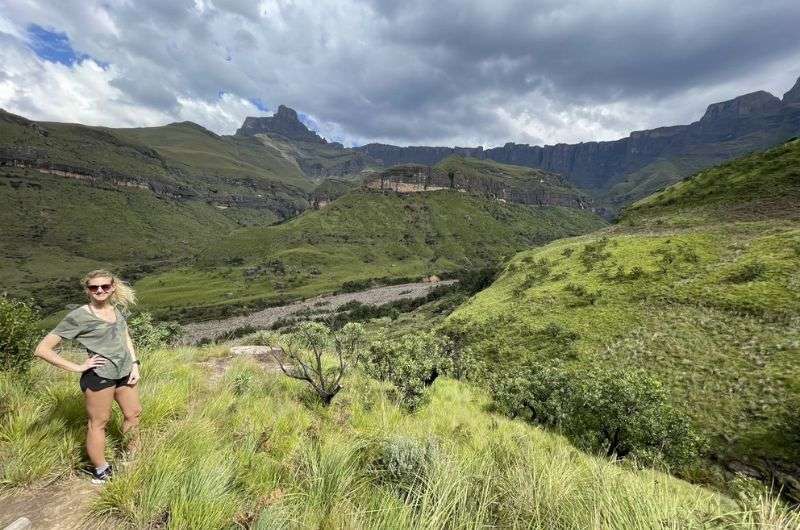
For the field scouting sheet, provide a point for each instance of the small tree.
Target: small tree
(19, 332)
(628, 413)
(622, 413)
(305, 355)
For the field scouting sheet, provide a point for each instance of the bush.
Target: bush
(260, 338)
(457, 360)
(148, 335)
(620, 275)
(582, 294)
(538, 271)
(474, 281)
(747, 273)
(626, 413)
(593, 253)
(403, 462)
(535, 392)
(621, 413)
(19, 333)
(307, 352)
(410, 363)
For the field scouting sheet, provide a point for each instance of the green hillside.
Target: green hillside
(232, 162)
(55, 229)
(762, 185)
(699, 285)
(363, 236)
(79, 197)
(177, 160)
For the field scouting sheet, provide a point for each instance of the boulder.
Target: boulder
(255, 350)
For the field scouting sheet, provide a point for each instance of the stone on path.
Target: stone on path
(255, 350)
(23, 523)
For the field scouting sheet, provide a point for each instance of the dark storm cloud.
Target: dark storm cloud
(446, 72)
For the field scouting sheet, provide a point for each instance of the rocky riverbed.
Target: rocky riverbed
(198, 331)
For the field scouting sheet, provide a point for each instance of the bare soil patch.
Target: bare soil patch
(63, 505)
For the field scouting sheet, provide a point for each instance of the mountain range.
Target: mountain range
(275, 162)
(618, 172)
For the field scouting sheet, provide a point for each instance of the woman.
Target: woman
(111, 372)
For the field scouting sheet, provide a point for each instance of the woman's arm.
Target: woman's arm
(46, 350)
(134, 377)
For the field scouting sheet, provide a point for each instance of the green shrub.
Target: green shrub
(260, 338)
(403, 461)
(411, 363)
(626, 413)
(473, 281)
(147, 334)
(620, 275)
(747, 273)
(538, 271)
(536, 392)
(556, 340)
(594, 253)
(583, 296)
(19, 333)
(621, 413)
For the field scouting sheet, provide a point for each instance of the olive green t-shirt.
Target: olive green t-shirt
(99, 337)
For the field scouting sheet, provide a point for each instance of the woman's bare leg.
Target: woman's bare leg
(98, 408)
(128, 399)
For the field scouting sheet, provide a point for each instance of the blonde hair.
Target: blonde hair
(123, 294)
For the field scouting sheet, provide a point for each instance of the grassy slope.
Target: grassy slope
(79, 145)
(179, 153)
(223, 162)
(714, 312)
(253, 449)
(360, 236)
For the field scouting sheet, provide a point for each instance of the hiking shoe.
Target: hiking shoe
(101, 478)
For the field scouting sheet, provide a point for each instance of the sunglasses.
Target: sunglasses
(97, 288)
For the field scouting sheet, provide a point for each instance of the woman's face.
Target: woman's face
(100, 288)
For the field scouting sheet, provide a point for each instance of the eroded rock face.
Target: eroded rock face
(755, 103)
(728, 129)
(793, 95)
(283, 123)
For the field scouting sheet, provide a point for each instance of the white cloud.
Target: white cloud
(85, 93)
(449, 73)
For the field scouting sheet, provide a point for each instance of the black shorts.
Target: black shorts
(90, 380)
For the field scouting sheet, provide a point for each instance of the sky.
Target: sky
(418, 72)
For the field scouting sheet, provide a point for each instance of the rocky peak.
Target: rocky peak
(283, 123)
(793, 95)
(753, 103)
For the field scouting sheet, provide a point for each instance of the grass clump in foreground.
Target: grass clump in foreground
(251, 449)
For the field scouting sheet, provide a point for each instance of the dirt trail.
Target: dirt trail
(60, 506)
(325, 304)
